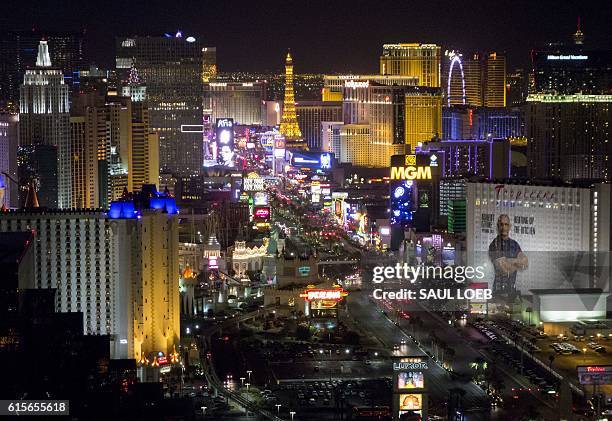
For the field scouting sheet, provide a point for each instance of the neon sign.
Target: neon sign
(410, 173)
(261, 213)
(335, 294)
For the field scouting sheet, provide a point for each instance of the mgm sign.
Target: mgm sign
(411, 171)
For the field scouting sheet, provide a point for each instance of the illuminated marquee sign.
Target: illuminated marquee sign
(261, 213)
(253, 182)
(335, 294)
(410, 365)
(523, 193)
(213, 262)
(410, 171)
(600, 374)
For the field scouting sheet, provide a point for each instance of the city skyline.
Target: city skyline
(334, 31)
(412, 222)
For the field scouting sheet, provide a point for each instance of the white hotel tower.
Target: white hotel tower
(44, 116)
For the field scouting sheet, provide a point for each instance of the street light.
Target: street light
(249, 373)
(292, 413)
(204, 410)
(242, 381)
(584, 350)
(247, 386)
(278, 405)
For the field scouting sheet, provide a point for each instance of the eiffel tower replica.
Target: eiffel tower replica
(289, 126)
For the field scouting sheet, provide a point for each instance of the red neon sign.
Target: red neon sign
(262, 213)
(335, 294)
(596, 369)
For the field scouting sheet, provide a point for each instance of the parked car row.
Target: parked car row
(596, 347)
(564, 348)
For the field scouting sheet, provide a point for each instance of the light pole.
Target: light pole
(242, 381)
(204, 411)
(249, 373)
(247, 386)
(584, 350)
(278, 405)
(292, 413)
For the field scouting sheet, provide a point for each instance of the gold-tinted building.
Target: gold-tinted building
(423, 115)
(495, 81)
(417, 60)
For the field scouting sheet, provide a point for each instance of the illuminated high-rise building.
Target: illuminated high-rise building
(18, 52)
(118, 268)
(8, 160)
(240, 101)
(171, 67)
(423, 115)
(84, 150)
(567, 68)
(494, 94)
(417, 60)
(516, 88)
(209, 64)
(568, 136)
(333, 84)
(44, 117)
(310, 114)
(289, 125)
(143, 167)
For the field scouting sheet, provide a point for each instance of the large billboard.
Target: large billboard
(531, 237)
(314, 160)
(596, 375)
(224, 134)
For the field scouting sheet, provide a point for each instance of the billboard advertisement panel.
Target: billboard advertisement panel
(410, 402)
(595, 375)
(410, 380)
(531, 237)
(224, 134)
(315, 160)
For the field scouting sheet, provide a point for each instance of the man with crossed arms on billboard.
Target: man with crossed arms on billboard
(507, 258)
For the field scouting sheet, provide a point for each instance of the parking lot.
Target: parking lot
(329, 394)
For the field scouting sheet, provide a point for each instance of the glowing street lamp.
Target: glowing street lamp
(247, 386)
(242, 381)
(249, 373)
(278, 405)
(204, 410)
(292, 413)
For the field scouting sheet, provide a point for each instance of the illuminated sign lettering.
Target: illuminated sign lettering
(225, 122)
(411, 365)
(410, 173)
(567, 57)
(525, 194)
(354, 84)
(261, 212)
(335, 294)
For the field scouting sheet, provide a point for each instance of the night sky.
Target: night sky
(324, 36)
